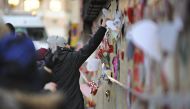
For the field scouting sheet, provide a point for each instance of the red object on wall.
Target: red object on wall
(122, 55)
(138, 57)
(136, 74)
(91, 103)
(94, 87)
(130, 14)
(99, 53)
(110, 48)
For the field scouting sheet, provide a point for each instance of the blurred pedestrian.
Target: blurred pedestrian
(18, 70)
(20, 82)
(65, 64)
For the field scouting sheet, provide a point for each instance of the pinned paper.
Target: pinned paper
(144, 35)
(110, 24)
(85, 89)
(106, 12)
(118, 15)
(93, 64)
(115, 24)
(128, 36)
(168, 34)
(114, 35)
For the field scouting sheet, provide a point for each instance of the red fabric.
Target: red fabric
(41, 53)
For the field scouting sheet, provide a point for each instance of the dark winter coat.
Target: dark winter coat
(66, 70)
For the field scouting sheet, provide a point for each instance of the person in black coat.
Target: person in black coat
(65, 64)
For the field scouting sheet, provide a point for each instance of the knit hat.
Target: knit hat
(18, 68)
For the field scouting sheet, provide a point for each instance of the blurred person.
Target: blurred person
(18, 75)
(65, 64)
(18, 67)
(20, 83)
(16, 53)
(38, 101)
(20, 100)
(7, 101)
(18, 70)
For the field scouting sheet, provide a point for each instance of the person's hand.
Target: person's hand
(51, 86)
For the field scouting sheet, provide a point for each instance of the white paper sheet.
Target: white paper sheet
(93, 64)
(144, 35)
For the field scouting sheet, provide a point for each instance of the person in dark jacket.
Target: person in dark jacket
(65, 64)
